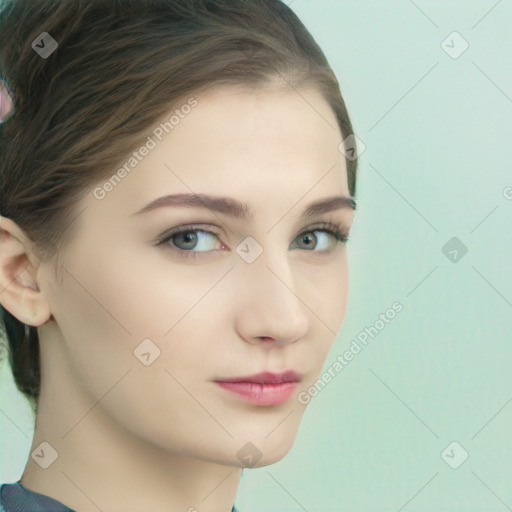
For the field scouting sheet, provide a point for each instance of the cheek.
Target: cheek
(104, 316)
(94, 331)
(104, 308)
(325, 292)
(327, 298)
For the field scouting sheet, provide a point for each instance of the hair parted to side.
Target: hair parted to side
(120, 65)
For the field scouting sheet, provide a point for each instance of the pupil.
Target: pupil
(189, 237)
(307, 237)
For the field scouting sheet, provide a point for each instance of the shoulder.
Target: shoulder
(6, 494)
(2, 508)
(14, 497)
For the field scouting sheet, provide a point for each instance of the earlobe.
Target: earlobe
(19, 291)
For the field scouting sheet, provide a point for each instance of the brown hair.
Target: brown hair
(118, 67)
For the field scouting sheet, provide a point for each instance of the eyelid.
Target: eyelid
(209, 228)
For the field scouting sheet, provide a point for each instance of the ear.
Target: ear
(19, 289)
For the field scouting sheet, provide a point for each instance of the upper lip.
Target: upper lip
(268, 377)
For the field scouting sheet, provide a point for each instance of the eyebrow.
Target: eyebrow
(239, 210)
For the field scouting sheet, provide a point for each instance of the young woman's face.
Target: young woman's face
(148, 329)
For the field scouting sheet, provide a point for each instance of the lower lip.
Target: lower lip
(261, 394)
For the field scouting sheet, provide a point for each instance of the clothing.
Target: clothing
(15, 497)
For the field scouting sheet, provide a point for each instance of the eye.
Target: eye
(328, 230)
(187, 241)
(191, 241)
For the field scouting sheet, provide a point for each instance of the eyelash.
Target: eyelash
(339, 233)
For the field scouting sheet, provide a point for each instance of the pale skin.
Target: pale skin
(165, 435)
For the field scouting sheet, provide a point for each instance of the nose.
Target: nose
(269, 306)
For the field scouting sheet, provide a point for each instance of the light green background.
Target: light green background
(437, 132)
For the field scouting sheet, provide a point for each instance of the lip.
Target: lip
(264, 388)
(267, 377)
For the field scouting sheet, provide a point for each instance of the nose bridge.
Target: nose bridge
(270, 298)
(271, 268)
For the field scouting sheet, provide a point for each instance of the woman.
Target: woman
(175, 206)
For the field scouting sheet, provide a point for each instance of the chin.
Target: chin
(273, 450)
(271, 458)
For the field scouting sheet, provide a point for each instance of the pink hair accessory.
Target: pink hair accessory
(6, 101)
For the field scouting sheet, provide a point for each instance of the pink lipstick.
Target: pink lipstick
(264, 388)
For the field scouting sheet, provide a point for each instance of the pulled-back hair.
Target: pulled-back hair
(118, 67)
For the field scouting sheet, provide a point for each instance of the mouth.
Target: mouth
(265, 388)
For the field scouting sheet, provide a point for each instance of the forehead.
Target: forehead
(258, 146)
(280, 116)
(234, 133)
